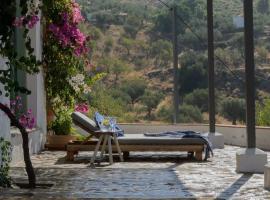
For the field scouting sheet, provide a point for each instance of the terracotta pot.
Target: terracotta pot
(60, 141)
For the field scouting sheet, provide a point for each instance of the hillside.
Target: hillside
(132, 45)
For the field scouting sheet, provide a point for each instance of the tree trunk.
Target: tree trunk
(149, 112)
(116, 79)
(27, 160)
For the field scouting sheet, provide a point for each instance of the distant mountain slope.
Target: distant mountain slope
(133, 41)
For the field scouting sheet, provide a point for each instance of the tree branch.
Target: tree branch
(27, 160)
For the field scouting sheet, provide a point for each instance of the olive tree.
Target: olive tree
(151, 99)
(233, 109)
(135, 88)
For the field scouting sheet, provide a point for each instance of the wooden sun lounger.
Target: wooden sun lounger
(133, 142)
(140, 143)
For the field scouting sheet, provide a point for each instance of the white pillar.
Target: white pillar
(35, 83)
(217, 140)
(267, 176)
(250, 160)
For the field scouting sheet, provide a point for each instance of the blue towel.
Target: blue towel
(186, 134)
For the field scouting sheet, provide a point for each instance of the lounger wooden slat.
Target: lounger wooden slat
(143, 148)
(73, 149)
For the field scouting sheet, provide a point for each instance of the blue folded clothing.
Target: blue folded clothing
(99, 119)
(186, 134)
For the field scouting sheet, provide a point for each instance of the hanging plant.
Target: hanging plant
(65, 51)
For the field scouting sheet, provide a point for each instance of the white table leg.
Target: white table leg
(104, 146)
(110, 149)
(96, 150)
(118, 148)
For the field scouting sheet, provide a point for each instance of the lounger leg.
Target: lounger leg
(96, 150)
(110, 149)
(118, 148)
(104, 146)
(190, 154)
(126, 155)
(198, 155)
(70, 156)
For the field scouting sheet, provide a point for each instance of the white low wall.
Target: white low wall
(233, 135)
(37, 141)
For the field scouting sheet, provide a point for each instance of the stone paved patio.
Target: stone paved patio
(144, 175)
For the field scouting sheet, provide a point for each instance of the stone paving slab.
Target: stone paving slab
(153, 175)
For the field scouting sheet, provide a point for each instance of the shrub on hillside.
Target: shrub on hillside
(108, 45)
(263, 6)
(150, 100)
(102, 101)
(263, 113)
(134, 88)
(128, 44)
(233, 109)
(199, 98)
(189, 114)
(121, 95)
(132, 26)
(161, 51)
(165, 114)
(193, 72)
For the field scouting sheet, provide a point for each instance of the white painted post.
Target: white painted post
(37, 100)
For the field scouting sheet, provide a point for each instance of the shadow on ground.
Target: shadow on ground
(234, 187)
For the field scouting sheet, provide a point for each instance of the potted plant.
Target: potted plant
(61, 130)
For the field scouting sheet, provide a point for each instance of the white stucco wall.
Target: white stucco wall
(36, 101)
(36, 143)
(4, 121)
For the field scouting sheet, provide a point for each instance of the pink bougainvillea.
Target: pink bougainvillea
(33, 20)
(28, 21)
(76, 13)
(67, 32)
(27, 120)
(18, 22)
(83, 108)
